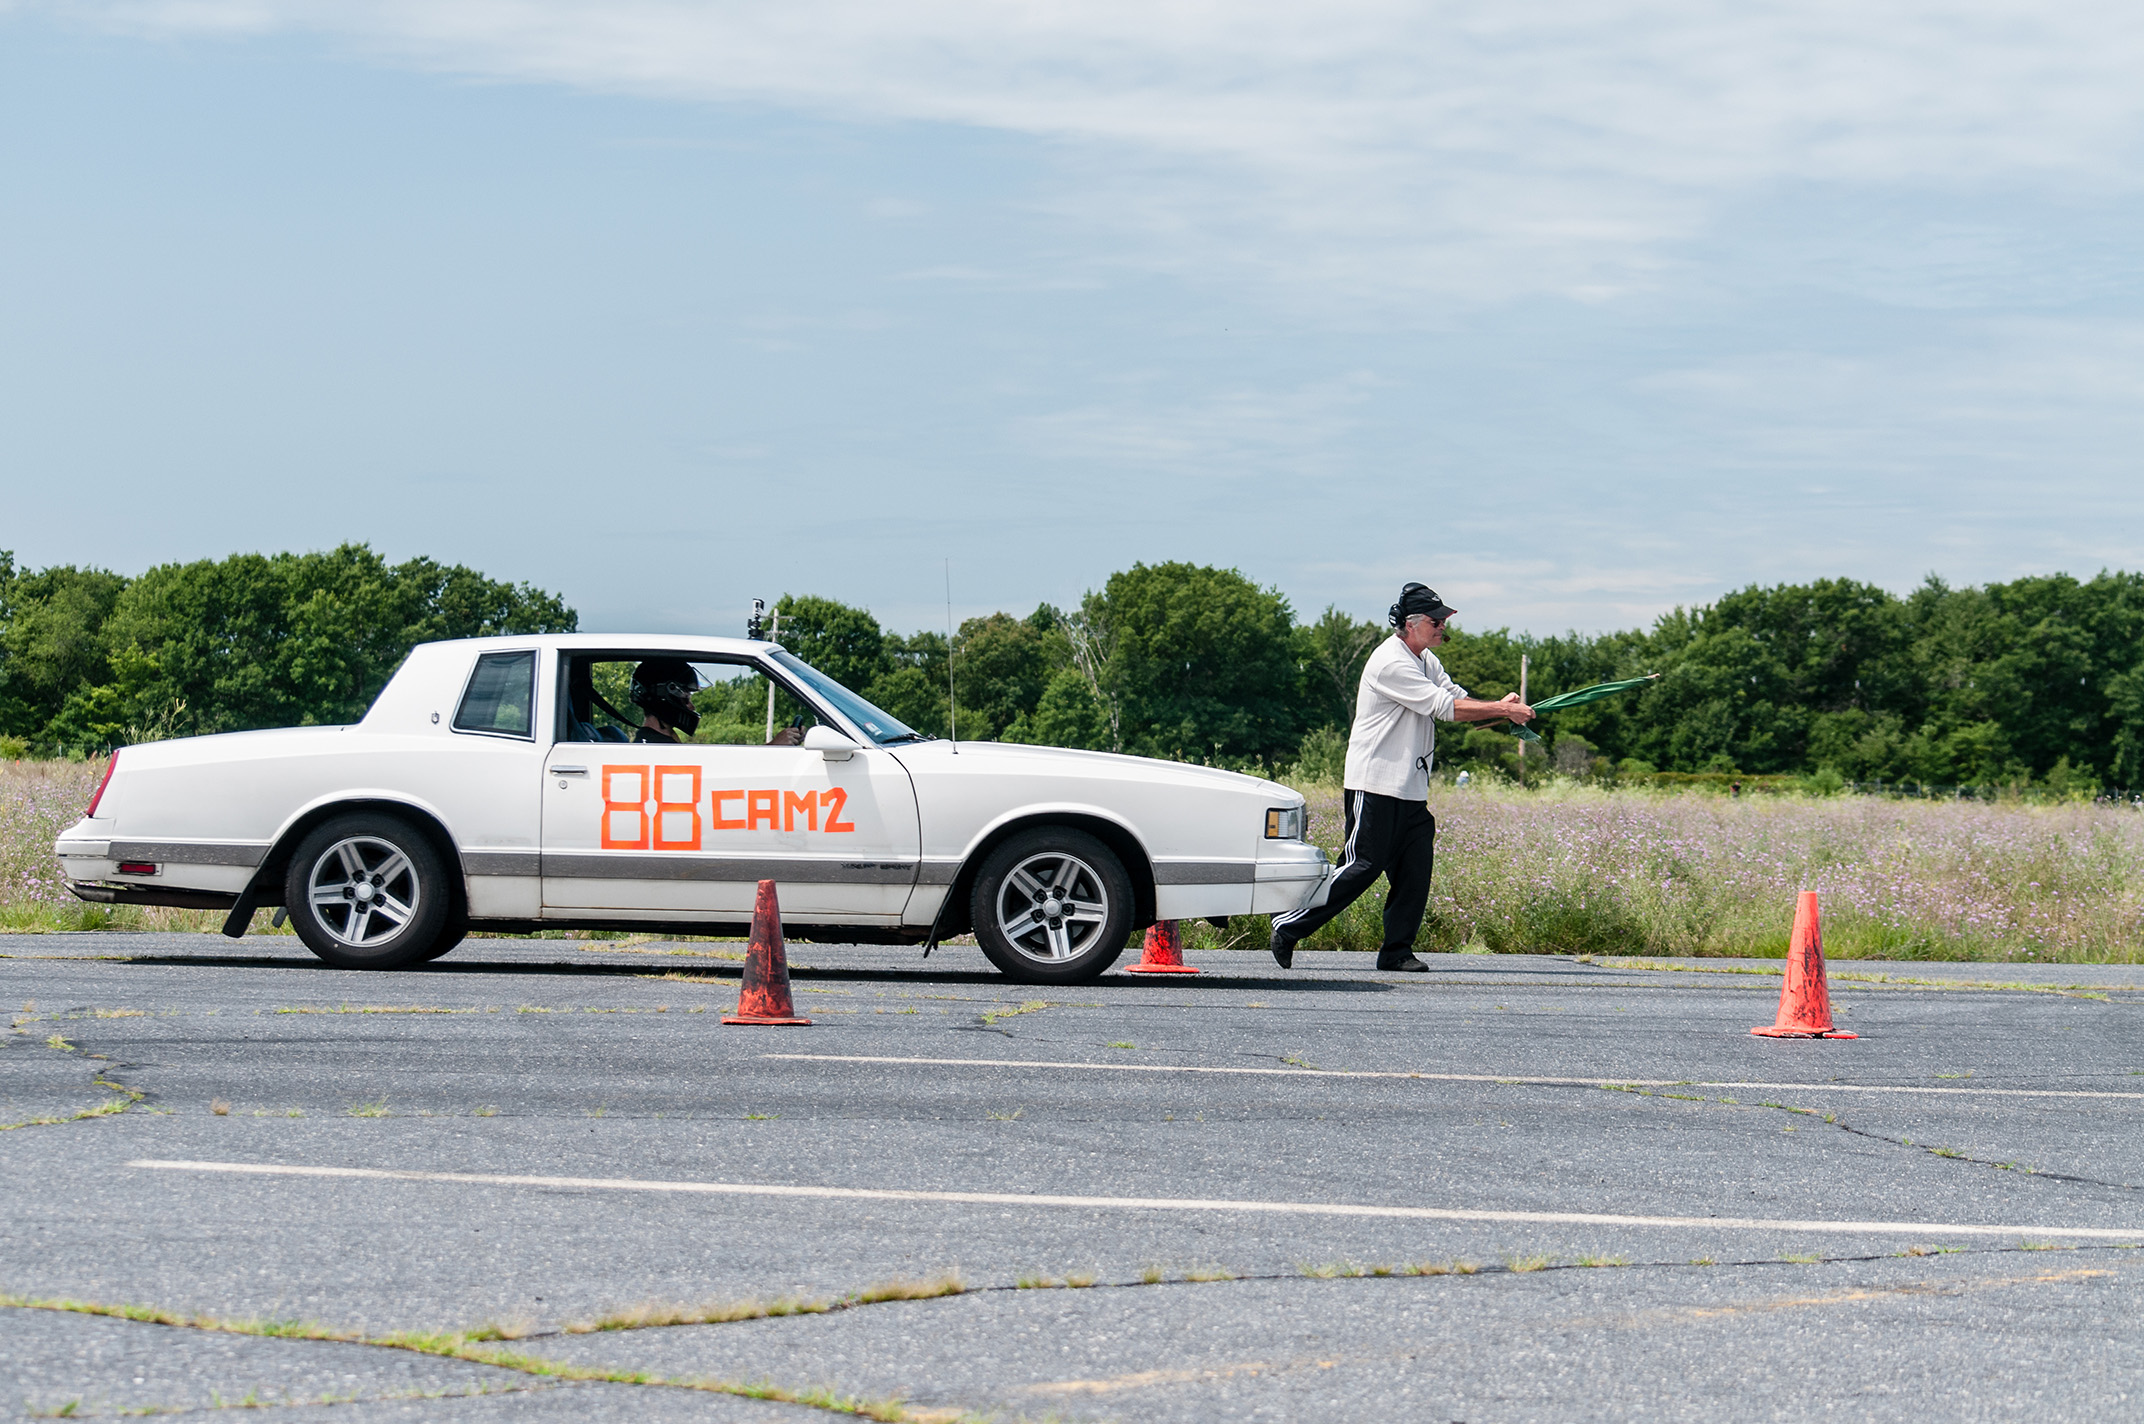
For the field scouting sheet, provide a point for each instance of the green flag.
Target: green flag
(1590, 694)
(1577, 698)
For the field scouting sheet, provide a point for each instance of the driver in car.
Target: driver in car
(662, 690)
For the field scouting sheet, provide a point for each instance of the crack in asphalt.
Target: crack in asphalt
(477, 1348)
(72, 1409)
(127, 1098)
(1948, 1154)
(469, 1347)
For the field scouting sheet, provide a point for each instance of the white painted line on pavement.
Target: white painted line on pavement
(1450, 1077)
(1411, 1213)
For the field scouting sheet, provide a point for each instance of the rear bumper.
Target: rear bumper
(177, 897)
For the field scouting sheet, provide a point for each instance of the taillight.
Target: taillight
(109, 767)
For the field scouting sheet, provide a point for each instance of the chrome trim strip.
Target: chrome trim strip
(1204, 872)
(937, 872)
(189, 852)
(1275, 874)
(800, 870)
(502, 862)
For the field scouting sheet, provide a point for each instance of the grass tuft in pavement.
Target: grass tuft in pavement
(645, 1317)
(948, 1284)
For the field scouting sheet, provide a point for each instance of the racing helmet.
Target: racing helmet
(663, 687)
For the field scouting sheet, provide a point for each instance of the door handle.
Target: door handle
(569, 771)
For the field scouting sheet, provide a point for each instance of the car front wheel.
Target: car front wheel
(367, 892)
(1052, 906)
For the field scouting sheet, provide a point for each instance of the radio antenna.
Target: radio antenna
(952, 703)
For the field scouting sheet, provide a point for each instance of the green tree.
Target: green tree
(53, 640)
(1203, 663)
(845, 643)
(912, 687)
(281, 640)
(1002, 666)
(1068, 714)
(1332, 652)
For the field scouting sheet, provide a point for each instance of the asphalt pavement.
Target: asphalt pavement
(540, 1179)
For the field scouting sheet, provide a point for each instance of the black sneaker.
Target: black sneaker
(1283, 950)
(1403, 962)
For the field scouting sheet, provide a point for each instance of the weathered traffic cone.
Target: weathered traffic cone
(1805, 999)
(764, 999)
(1164, 951)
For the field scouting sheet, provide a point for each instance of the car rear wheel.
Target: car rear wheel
(1052, 906)
(367, 891)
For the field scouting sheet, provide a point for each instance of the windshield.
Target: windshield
(882, 727)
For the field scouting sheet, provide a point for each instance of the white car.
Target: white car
(494, 785)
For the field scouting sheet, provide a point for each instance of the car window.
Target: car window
(500, 697)
(880, 725)
(735, 702)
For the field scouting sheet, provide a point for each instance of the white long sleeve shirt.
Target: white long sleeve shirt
(1397, 708)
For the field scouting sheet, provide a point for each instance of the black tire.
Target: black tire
(1034, 873)
(367, 891)
(455, 932)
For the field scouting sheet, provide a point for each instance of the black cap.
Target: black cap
(1418, 598)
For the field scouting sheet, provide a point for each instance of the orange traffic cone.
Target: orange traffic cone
(1164, 952)
(1805, 999)
(764, 999)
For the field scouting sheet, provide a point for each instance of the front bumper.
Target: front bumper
(1291, 875)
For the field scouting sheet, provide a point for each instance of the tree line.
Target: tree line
(90, 659)
(2037, 680)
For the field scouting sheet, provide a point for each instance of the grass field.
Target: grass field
(1563, 869)
(1567, 868)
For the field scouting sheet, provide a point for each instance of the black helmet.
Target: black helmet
(663, 687)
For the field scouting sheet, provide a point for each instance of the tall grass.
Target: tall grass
(38, 800)
(1567, 868)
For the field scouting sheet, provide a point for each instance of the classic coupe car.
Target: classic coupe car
(496, 784)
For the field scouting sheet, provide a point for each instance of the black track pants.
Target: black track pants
(1385, 836)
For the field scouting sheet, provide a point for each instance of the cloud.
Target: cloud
(1995, 401)
(1229, 436)
(1470, 150)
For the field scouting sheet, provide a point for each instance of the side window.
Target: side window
(731, 701)
(501, 697)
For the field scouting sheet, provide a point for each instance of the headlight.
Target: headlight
(1284, 823)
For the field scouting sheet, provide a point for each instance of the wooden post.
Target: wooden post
(1524, 661)
(774, 633)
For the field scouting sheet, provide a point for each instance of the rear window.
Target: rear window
(502, 692)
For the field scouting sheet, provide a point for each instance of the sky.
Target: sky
(1576, 311)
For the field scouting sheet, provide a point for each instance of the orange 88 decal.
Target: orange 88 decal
(651, 808)
(659, 808)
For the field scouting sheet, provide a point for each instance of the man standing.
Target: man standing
(1405, 692)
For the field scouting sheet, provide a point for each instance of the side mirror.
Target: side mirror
(825, 739)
